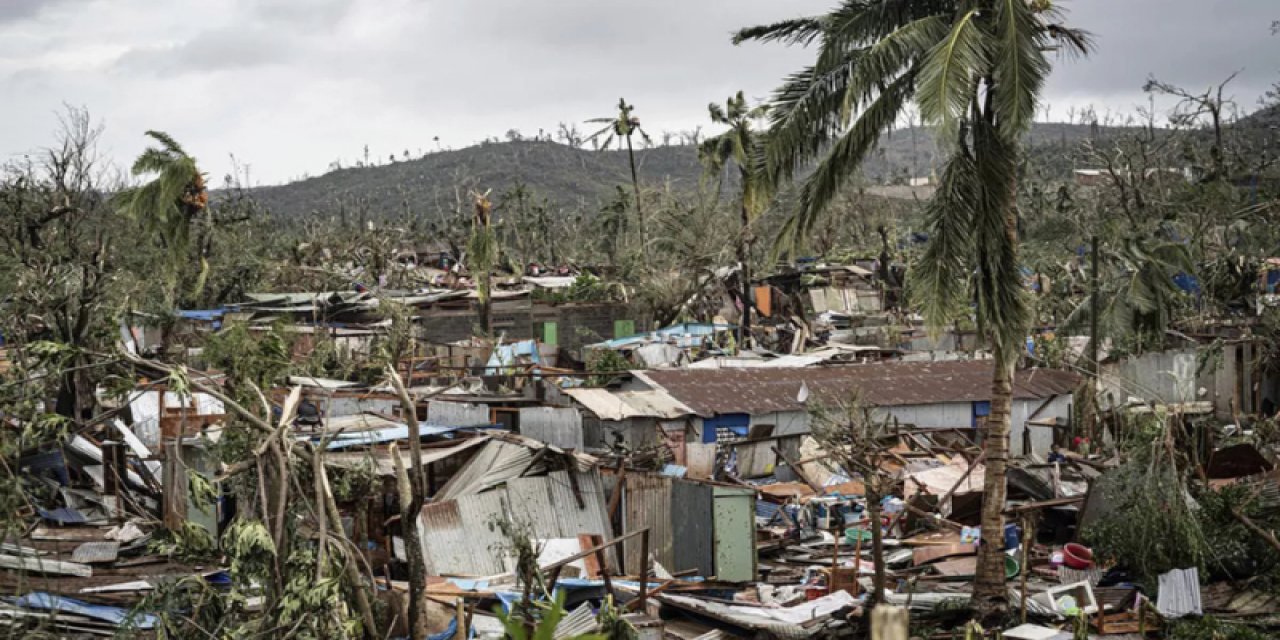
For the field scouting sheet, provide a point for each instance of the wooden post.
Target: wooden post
(114, 470)
(644, 568)
(857, 565)
(1028, 538)
(460, 632)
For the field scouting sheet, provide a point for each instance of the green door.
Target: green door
(624, 328)
(735, 534)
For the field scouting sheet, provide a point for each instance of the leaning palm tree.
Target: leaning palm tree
(742, 145)
(170, 203)
(975, 68)
(621, 128)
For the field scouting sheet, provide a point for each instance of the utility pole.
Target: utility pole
(1091, 409)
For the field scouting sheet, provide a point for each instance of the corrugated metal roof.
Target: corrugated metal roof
(623, 405)
(384, 464)
(710, 392)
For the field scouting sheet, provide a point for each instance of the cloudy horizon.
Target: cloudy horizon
(289, 86)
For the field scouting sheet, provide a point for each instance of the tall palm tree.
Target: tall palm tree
(621, 128)
(975, 68)
(742, 145)
(170, 203)
(482, 257)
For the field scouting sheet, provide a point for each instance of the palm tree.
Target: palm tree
(621, 128)
(482, 256)
(741, 144)
(170, 204)
(975, 68)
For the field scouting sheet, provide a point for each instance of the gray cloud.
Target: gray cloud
(290, 85)
(223, 49)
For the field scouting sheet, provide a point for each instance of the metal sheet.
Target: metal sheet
(692, 530)
(556, 426)
(621, 405)
(93, 552)
(710, 392)
(458, 414)
(497, 462)
(1179, 593)
(647, 503)
(457, 539)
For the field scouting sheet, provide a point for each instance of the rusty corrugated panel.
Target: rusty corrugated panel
(647, 503)
(692, 529)
(709, 392)
(457, 539)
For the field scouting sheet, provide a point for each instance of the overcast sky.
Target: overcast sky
(288, 86)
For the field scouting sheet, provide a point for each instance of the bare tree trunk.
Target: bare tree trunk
(989, 594)
(744, 259)
(412, 493)
(874, 495)
(635, 185)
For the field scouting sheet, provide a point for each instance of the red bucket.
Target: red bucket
(1077, 556)
(813, 593)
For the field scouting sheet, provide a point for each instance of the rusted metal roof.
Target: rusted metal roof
(621, 405)
(710, 392)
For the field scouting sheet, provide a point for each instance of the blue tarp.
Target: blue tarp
(62, 515)
(508, 355)
(115, 615)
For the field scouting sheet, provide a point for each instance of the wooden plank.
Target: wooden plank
(925, 555)
(40, 565)
(957, 567)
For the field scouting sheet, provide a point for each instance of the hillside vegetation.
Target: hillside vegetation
(575, 178)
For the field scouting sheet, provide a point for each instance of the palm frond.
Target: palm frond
(844, 157)
(948, 74)
(1020, 67)
(1003, 312)
(801, 31)
(170, 145)
(940, 281)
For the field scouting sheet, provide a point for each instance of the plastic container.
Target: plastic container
(1077, 556)
(1011, 567)
(1012, 537)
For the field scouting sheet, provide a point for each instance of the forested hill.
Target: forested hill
(568, 176)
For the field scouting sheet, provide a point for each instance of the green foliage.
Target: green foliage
(190, 543)
(1150, 488)
(550, 615)
(1210, 628)
(585, 288)
(248, 355)
(604, 365)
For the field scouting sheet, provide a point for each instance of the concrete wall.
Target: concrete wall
(576, 324)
